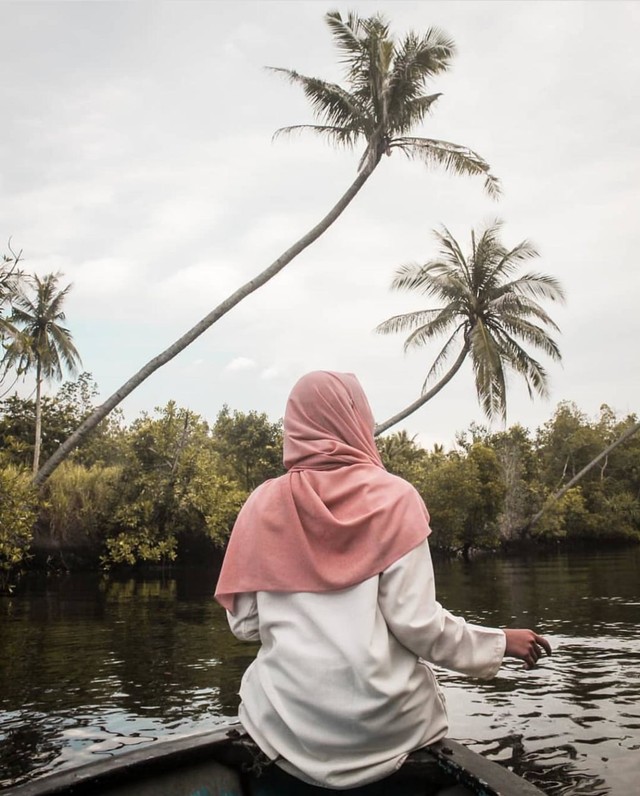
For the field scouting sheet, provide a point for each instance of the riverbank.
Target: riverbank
(54, 560)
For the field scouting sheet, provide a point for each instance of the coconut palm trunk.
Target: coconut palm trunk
(370, 163)
(381, 104)
(38, 431)
(411, 408)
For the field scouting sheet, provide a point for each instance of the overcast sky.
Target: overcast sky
(136, 157)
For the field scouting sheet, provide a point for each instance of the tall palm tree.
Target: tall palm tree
(42, 344)
(486, 311)
(382, 100)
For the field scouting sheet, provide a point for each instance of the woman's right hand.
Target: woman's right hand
(525, 645)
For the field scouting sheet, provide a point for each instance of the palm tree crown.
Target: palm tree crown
(42, 340)
(486, 310)
(384, 97)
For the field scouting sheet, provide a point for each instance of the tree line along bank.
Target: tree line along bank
(169, 482)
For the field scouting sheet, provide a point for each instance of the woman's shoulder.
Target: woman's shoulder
(401, 484)
(271, 485)
(396, 488)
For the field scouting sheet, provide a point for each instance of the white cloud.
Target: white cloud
(195, 289)
(241, 363)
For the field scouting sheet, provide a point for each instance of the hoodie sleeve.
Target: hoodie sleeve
(407, 599)
(244, 621)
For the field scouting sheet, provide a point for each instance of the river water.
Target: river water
(91, 665)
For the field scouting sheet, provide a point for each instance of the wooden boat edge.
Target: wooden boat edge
(465, 765)
(167, 751)
(447, 757)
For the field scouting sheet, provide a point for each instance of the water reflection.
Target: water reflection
(91, 665)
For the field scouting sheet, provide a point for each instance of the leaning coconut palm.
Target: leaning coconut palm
(485, 310)
(41, 344)
(383, 100)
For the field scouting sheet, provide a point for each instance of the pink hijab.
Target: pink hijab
(337, 517)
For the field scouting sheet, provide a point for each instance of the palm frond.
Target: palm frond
(535, 285)
(452, 157)
(403, 117)
(66, 350)
(434, 278)
(330, 103)
(417, 59)
(347, 34)
(22, 312)
(358, 40)
(532, 334)
(488, 370)
(406, 321)
(451, 248)
(524, 365)
(428, 331)
(509, 261)
(486, 251)
(442, 358)
(517, 306)
(339, 136)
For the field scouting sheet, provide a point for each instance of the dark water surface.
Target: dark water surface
(91, 665)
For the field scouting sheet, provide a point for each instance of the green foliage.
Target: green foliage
(464, 495)
(623, 512)
(249, 446)
(136, 493)
(79, 502)
(18, 513)
(61, 414)
(621, 468)
(563, 517)
(139, 545)
(174, 483)
(211, 498)
(401, 455)
(610, 492)
(518, 470)
(17, 425)
(75, 402)
(567, 442)
(450, 490)
(483, 518)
